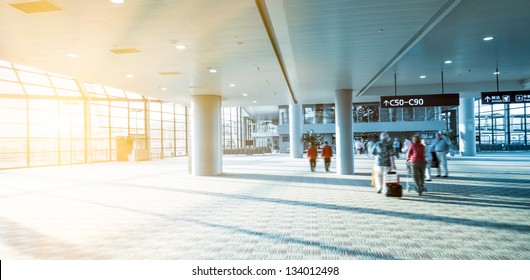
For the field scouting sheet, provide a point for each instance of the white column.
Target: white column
(296, 126)
(206, 154)
(344, 131)
(466, 125)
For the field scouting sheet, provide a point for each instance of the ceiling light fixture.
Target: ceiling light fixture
(231, 85)
(448, 61)
(423, 77)
(212, 70)
(489, 38)
(117, 1)
(72, 55)
(245, 94)
(129, 76)
(180, 47)
(163, 89)
(254, 101)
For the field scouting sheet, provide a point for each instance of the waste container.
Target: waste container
(124, 147)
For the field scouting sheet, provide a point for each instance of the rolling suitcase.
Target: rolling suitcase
(392, 184)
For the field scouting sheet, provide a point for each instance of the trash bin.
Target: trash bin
(124, 147)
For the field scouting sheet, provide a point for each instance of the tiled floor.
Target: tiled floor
(263, 207)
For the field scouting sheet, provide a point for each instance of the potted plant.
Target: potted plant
(312, 137)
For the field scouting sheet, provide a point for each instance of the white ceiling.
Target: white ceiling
(314, 46)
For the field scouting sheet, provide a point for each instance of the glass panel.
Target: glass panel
(95, 89)
(309, 114)
(13, 133)
(70, 93)
(284, 115)
(8, 74)
(64, 83)
(39, 90)
(33, 78)
(408, 114)
(11, 88)
(132, 95)
(5, 63)
(430, 114)
(114, 92)
(319, 113)
(179, 109)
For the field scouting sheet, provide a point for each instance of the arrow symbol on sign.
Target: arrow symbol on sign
(386, 102)
(487, 98)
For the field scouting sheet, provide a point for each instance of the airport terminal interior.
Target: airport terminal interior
(178, 129)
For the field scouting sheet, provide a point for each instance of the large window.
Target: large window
(50, 119)
(501, 126)
(232, 134)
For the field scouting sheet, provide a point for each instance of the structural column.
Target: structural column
(206, 154)
(466, 124)
(296, 122)
(344, 131)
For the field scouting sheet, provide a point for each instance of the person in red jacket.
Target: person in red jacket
(416, 157)
(312, 154)
(327, 153)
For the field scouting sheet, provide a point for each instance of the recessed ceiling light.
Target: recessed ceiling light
(117, 1)
(496, 73)
(212, 70)
(423, 77)
(245, 94)
(489, 38)
(72, 55)
(163, 88)
(180, 47)
(231, 85)
(254, 101)
(129, 76)
(448, 61)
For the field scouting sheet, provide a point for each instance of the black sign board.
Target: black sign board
(506, 97)
(449, 99)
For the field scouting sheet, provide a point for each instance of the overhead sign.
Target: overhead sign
(449, 99)
(506, 97)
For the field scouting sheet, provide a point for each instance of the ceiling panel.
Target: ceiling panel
(324, 46)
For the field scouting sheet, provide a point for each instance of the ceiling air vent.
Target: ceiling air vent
(169, 73)
(125, 51)
(36, 7)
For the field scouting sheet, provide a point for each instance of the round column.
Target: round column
(344, 131)
(296, 124)
(466, 125)
(206, 154)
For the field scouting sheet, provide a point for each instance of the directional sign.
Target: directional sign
(506, 97)
(449, 99)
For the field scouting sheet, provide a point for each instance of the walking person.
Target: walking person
(397, 147)
(406, 145)
(441, 148)
(370, 147)
(327, 153)
(359, 147)
(428, 159)
(312, 154)
(384, 161)
(416, 157)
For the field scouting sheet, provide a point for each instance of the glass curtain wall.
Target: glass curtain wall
(502, 126)
(50, 119)
(365, 112)
(232, 132)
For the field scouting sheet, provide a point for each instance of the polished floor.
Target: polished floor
(264, 207)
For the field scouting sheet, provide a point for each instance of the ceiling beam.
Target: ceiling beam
(433, 21)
